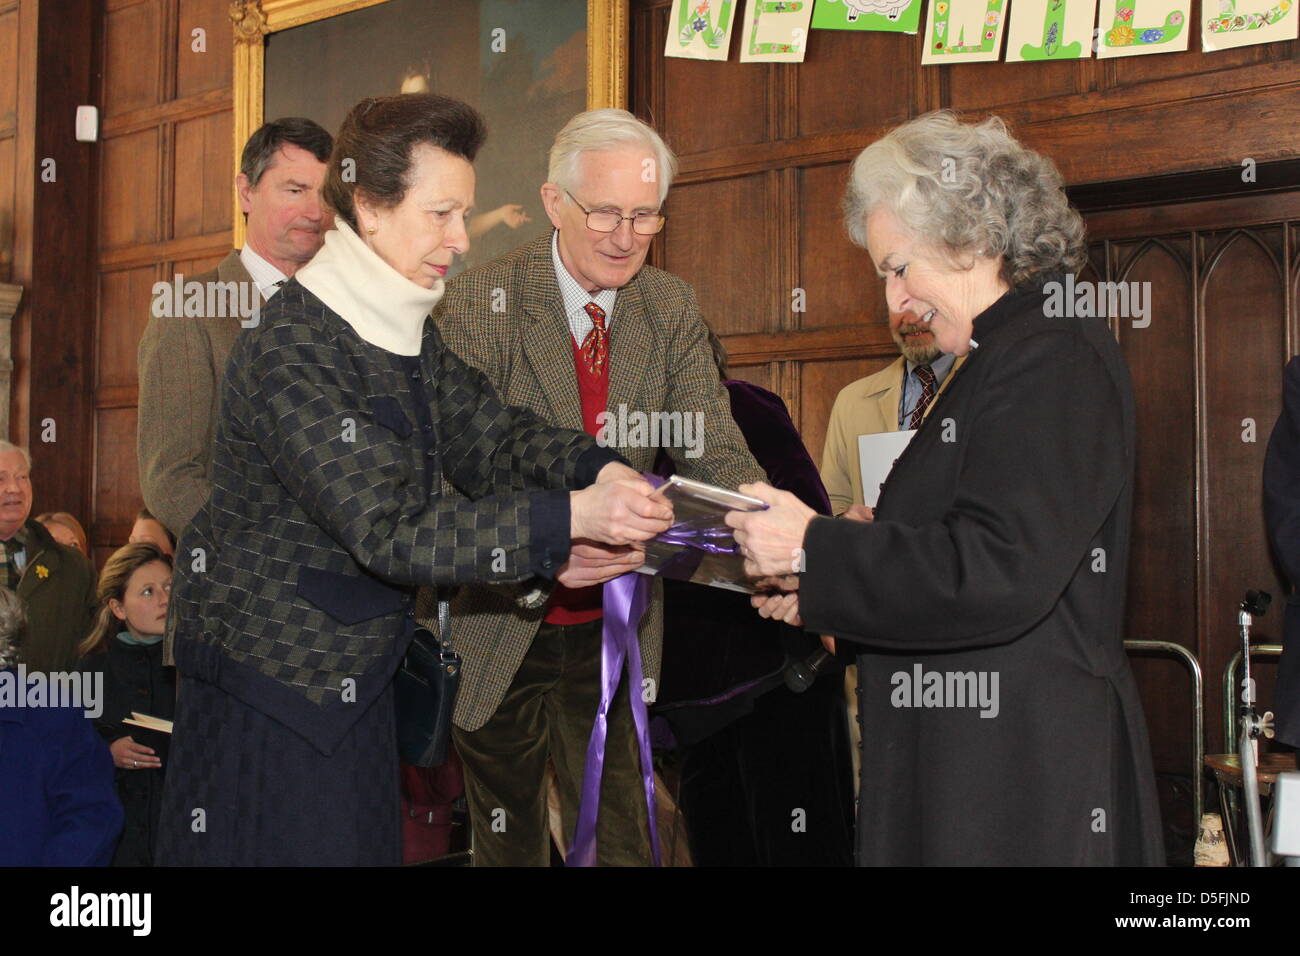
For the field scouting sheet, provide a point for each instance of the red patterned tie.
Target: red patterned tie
(595, 347)
(926, 376)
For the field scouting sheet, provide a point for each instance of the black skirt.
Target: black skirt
(244, 790)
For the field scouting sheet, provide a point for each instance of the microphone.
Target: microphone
(799, 675)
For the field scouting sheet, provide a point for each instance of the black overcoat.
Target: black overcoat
(135, 680)
(998, 562)
(1282, 512)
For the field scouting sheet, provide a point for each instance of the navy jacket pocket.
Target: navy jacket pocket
(389, 413)
(347, 598)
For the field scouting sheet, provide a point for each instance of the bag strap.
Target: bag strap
(444, 623)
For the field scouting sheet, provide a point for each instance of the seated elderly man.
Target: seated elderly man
(56, 582)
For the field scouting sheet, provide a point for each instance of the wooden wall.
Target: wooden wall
(47, 181)
(754, 215)
(165, 206)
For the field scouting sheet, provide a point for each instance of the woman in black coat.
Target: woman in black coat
(1001, 721)
(126, 647)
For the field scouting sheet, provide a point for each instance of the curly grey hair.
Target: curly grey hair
(969, 187)
(13, 625)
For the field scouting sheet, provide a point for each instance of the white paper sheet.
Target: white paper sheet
(876, 456)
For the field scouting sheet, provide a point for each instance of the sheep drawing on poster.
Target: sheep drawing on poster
(891, 16)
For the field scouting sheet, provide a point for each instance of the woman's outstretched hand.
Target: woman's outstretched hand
(772, 540)
(591, 563)
(617, 511)
(780, 607)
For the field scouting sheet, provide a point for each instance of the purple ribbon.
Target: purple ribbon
(625, 599)
(699, 538)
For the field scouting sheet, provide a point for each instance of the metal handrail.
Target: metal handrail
(1198, 717)
(1230, 698)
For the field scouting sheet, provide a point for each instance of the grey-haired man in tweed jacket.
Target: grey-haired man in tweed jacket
(570, 326)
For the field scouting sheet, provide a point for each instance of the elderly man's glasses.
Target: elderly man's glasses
(603, 220)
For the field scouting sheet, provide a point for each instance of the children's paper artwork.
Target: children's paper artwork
(893, 16)
(1050, 29)
(699, 29)
(1141, 27)
(1232, 23)
(963, 31)
(775, 31)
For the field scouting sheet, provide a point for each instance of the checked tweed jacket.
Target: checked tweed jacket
(320, 522)
(660, 361)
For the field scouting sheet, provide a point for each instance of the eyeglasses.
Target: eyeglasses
(599, 220)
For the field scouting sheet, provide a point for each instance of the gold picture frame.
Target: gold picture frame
(254, 20)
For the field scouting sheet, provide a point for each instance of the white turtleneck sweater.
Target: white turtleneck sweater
(383, 307)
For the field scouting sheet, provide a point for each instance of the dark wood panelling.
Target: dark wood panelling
(201, 104)
(1181, 143)
(213, 244)
(757, 374)
(710, 85)
(117, 480)
(53, 341)
(981, 87)
(1245, 324)
(731, 270)
(838, 278)
(133, 45)
(1168, 218)
(124, 302)
(1162, 582)
(209, 70)
(8, 174)
(200, 187)
(166, 201)
(193, 267)
(850, 80)
(129, 190)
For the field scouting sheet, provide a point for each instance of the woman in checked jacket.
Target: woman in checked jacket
(294, 594)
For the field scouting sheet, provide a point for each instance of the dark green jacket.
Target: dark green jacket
(58, 588)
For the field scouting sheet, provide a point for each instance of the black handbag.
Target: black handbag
(426, 694)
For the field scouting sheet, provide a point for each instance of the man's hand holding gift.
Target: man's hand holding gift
(617, 509)
(606, 519)
(591, 562)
